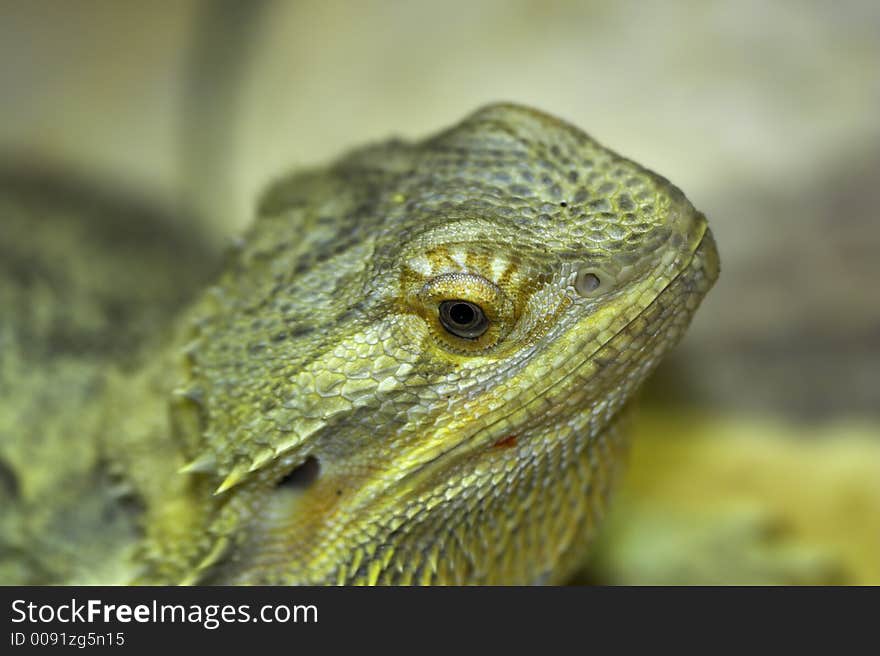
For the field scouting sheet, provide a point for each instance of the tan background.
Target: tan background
(765, 113)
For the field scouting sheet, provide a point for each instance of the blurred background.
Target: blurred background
(758, 451)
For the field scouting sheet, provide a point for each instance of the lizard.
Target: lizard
(416, 367)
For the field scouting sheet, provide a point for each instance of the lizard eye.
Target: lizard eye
(463, 319)
(466, 313)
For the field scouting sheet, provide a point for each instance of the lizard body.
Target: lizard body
(415, 367)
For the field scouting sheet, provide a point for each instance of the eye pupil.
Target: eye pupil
(463, 319)
(462, 314)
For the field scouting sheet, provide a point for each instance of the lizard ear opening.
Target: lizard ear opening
(302, 476)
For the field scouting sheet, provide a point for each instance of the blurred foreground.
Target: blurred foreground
(720, 499)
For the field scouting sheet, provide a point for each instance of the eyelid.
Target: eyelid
(467, 287)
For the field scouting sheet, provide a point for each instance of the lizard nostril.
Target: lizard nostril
(302, 476)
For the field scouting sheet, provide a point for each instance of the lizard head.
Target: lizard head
(446, 332)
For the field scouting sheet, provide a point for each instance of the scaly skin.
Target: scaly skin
(314, 422)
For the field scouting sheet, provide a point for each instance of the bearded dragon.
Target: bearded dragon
(415, 368)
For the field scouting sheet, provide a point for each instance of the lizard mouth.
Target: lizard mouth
(705, 257)
(307, 515)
